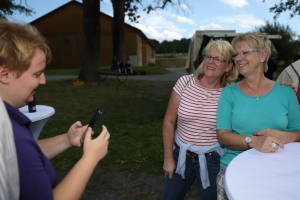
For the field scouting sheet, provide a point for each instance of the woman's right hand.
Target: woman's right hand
(96, 149)
(169, 167)
(288, 84)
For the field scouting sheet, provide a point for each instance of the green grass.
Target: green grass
(173, 58)
(133, 117)
(62, 71)
(150, 70)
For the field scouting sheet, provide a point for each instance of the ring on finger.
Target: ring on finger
(273, 145)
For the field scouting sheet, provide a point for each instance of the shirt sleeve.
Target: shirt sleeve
(293, 112)
(284, 76)
(182, 83)
(224, 110)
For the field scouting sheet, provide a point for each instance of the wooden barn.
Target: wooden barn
(62, 28)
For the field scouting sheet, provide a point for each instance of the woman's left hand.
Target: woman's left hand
(75, 133)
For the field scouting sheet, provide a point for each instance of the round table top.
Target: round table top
(42, 112)
(256, 175)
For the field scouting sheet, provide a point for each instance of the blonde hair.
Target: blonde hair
(226, 50)
(256, 40)
(18, 43)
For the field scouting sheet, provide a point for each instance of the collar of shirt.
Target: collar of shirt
(17, 116)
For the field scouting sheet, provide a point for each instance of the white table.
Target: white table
(255, 175)
(38, 118)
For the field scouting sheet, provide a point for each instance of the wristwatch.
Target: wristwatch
(248, 140)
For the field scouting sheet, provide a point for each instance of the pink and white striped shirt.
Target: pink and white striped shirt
(197, 112)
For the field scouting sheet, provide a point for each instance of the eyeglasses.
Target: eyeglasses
(215, 59)
(243, 53)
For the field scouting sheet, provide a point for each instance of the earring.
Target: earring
(226, 74)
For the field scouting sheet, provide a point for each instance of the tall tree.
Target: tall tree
(286, 47)
(129, 8)
(91, 40)
(9, 7)
(120, 8)
(287, 5)
(118, 33)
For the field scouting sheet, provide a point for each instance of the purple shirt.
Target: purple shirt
(37, 175)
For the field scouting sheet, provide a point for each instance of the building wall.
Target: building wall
(139, 50)
(62, 29)
(66, 50)
(63, 32)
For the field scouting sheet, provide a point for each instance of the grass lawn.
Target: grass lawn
(174, 58)
(133, 117)
(151, 70)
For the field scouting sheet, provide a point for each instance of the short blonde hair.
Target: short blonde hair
(18, 43)
(256, 40)
(226, 50)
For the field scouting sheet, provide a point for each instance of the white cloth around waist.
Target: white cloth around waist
(200, 150)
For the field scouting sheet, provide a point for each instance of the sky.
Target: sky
(182, 22)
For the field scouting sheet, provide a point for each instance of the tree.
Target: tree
(9, 7)
(91, 40)
(128, 7)
(120, 8)
(118, 35)
(175, 46)
(286, 47)
(289, 5)
(155, 43)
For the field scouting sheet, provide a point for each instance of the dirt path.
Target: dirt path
(176, 73)
(106, 185)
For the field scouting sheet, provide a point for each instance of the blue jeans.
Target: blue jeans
(178, 187)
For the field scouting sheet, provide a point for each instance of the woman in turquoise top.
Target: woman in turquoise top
(255, 112)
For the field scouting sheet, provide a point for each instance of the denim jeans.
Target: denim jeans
(178, 187)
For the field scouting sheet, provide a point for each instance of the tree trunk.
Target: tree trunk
(118, 35)
(91, 40)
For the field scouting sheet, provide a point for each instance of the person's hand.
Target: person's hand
(169, 167)
(264, 143)
(75, 133)
(95, 149)
(284, 137)
(288, 84)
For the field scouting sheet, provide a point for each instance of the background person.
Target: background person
(23, 57)
(121, 66)
(9, 171)
(255, 112)
(128, 67)
(291, 75)
(193, 104)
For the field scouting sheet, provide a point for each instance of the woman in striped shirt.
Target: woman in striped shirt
(195, 154)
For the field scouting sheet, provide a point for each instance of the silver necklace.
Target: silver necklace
(260, 92)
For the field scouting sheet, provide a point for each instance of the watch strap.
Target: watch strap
(248, 145)
(248, 140)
